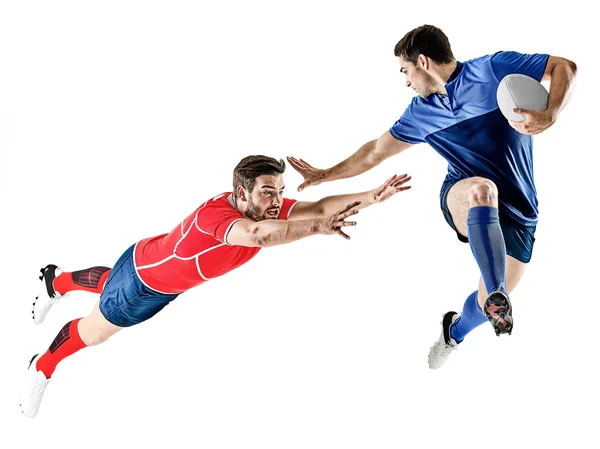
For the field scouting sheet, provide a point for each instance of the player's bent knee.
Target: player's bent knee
(483, 193)
(98, 338)
(95, 336)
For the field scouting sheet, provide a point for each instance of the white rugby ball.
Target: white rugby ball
(520, 91)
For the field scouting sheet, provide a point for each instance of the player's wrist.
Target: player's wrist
(552, 113)
(327, 174)
(317, 226)
(370, 197)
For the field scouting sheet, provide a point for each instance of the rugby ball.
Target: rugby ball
(520, 91)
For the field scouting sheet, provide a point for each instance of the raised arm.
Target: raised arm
(278, 232)
(325, 206)
(368, 156)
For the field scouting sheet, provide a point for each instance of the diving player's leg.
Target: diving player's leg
(57, 283)
(73, 336)
(125, 302)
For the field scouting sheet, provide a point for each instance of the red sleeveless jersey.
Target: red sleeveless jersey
(197, 249)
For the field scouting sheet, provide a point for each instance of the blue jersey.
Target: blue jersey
(469, 131)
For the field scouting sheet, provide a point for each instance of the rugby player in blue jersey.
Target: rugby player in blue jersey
(488, 196)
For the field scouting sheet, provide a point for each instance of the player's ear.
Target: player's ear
(241, 193)
(423, 61)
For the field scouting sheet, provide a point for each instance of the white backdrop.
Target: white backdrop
(118, 118)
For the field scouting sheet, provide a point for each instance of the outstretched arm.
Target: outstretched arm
(561, 73)
(265, 233)
(325, 206)
(368, 156)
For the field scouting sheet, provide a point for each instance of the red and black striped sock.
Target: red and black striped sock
(66, 343)
(89, 280)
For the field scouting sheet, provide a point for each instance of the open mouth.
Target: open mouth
(273, 213)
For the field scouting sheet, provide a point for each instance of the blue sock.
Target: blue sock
(469, 319)
(487, 245)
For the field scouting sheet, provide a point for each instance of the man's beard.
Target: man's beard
(254, 213)
(428, 85)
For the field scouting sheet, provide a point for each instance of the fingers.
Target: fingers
(336, 227)
(385, 185)
(396, 182)
(388, 182)
(299, 163)
(518, 126)
(306, 164)
(522, 111)
(343, 234)
(294, 163)
(306, 170)
(341, 224)
(341, 217)
(403, 179)
(396, 179)
(344, 215)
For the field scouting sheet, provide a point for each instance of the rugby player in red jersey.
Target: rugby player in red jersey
(220, 235)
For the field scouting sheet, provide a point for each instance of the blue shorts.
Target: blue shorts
(518, 238)
(125, 300)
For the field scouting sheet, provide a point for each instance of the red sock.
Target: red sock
(90, 280)
(67, 342)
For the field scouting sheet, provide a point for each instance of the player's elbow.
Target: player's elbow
(375, 158)
(366, 157)
(376, 154)
(318, 210)
(385, 147)
(261, 236)
(567, 65)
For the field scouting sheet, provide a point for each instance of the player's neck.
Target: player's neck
(234, 203)
(446, 71)
(441, 76)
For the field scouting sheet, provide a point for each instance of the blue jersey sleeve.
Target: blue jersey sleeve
(406, 129)
(507, 62)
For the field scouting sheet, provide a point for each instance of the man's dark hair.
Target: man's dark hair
(251, 167)
(425, 40)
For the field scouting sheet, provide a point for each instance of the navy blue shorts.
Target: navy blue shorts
(518, 238)
(125, 300)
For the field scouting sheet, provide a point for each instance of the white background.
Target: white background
(118, 118)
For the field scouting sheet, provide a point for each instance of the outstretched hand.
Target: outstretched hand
(312, 176)
(335, 222)
(535, 122)
(389, 188)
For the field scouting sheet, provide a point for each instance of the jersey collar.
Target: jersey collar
(450, 87)
(231, 200)
(457, 70)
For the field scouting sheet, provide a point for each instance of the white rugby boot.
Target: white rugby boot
(32, 389)
(48, 296)
(441, 349)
